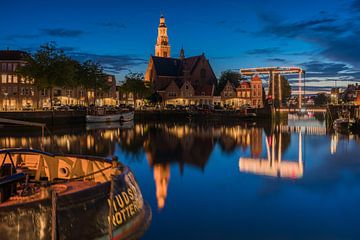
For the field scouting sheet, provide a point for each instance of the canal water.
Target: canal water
(255, 180)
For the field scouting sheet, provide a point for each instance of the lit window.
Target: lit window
(15, 79)
(3, 78)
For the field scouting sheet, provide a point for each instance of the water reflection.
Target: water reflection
(261, 148)
(274, 165)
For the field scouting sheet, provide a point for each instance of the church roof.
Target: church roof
(174, 67)
(167, 66)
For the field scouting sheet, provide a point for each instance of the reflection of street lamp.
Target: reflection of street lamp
(6, 94)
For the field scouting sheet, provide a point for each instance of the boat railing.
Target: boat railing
(64, 166)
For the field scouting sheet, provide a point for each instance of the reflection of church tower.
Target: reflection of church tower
(161, 176)
(162, 47)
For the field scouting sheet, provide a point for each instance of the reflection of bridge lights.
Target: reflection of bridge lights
(274, 166)
(333, 143)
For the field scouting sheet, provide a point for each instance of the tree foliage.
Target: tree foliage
(321, 99)
(49, 67)
(228, 75)
(91, 76)
(134, 83)
(285, 88)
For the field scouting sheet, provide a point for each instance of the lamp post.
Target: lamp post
(6, 94)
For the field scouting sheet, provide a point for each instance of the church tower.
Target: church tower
(162, 47)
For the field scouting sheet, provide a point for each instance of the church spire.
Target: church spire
(182, 53)
(162, 47)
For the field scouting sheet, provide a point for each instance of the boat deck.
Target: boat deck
(61, 189)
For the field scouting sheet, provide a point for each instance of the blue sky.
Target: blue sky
(321, 36)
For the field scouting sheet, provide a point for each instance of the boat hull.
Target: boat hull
(343, 124)
(84, 214)
(123, 117)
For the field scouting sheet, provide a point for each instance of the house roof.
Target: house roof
(256, 78)
(13, 55)
(244, 84)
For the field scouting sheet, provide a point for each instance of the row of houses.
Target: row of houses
(17, 93)
(183, 81)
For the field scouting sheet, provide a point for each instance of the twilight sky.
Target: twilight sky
(322, 36)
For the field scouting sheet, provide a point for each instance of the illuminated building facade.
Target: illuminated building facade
(16, 92)
(19, 93)
(180, 81)
(249, 93)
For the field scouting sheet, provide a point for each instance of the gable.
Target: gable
(172, 87)
(187, 87)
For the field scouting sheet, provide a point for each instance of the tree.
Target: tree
(321, 99)
(134, 83)
(233, 77)
(155, 98)
(90, 75)
(285, 88)
(49, 67)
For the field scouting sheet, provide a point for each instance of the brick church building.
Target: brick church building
(179, 81)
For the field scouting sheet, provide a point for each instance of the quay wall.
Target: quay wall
(47, 117)
(51, 118)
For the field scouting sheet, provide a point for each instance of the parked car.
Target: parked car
(62, 108)
(170, 107)
(180, 107)
(27, 107)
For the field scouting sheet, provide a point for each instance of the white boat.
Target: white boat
(126, 116)
(103, 118)
(122, 117)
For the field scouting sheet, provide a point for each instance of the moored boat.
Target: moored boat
(101, 115)
(343, 124)
(47, 196)
(103, 118)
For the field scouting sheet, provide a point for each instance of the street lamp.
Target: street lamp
(6, 94)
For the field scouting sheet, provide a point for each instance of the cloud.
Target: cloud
(62, 32)
(111, 63)
(278, 60)
(114, 25)
(355, 6)
(52, 32)
(324, 74)
(336, 39)
(274, 25)
(263, 51)
(345, 49)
